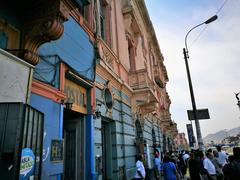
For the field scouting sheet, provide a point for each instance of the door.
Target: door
(73, 146)
(107, 150)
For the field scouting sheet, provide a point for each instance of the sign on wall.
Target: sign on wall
(27, 164)
(56, 150)
(77, 95)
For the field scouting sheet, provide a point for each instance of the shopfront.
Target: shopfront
(74, 130)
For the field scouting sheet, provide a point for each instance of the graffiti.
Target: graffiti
(45, 151)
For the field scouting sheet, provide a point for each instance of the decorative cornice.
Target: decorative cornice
(46, 24)
(47, 91)
(152, 35)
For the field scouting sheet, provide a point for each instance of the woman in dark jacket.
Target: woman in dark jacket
(194, 167)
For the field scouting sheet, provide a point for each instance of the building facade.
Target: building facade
(94, 89)
(57, 38)
(130, 87)
(181, 142)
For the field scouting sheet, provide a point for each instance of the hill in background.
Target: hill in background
(220, 135)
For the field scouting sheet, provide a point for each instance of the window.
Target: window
(105, 20)
(3, 40)
(139, 130)
(102, 20)
(9, 36)
(84, 10)
(131, 54)
(81, 3)
(84, 7)
(154, 138)
(153, 59)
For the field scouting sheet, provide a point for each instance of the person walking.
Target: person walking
(194, 167)
(227, 171)
(157, 164)
(203, 171)
(208, 165)
(169, 169)
(140, 170)
(217, 165)
(235, 165)
(182, 165)
(222, 156)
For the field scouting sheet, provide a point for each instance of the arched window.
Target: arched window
(154, 138)
(139, 130)
(3, 40)
(164, 143)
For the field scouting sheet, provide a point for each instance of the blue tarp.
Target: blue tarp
(74, 48)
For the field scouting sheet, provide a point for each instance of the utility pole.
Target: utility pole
(186, 57)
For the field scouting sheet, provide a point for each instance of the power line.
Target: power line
(201, 32)
(218, 11)
(221, 7)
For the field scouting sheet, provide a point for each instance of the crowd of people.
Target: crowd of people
(194, 165)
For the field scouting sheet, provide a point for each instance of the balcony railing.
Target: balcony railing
(140, 80)
(144, 92)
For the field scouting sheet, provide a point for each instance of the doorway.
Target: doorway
(73, 133)
(107, 149)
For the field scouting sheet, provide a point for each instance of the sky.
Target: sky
(214, 61)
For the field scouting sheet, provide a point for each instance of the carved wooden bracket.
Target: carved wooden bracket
(45, 25)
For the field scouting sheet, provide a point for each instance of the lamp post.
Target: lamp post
(238, 100)
(186, 57)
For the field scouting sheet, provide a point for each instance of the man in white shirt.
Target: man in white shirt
(222, 157)
(140, 170)
(186, 156)
(208, 165)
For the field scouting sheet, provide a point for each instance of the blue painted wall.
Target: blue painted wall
(3, 40)
(52, 127)
(74, 48)
(89, 148)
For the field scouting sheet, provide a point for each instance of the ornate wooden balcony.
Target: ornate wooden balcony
(170, 127)
(144, 93)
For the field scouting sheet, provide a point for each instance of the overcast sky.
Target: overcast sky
(214, 58)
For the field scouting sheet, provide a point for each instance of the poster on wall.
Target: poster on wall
(56, 150)
(27, 164)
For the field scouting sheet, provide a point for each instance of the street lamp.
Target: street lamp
(238, 100)
(186, 56)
